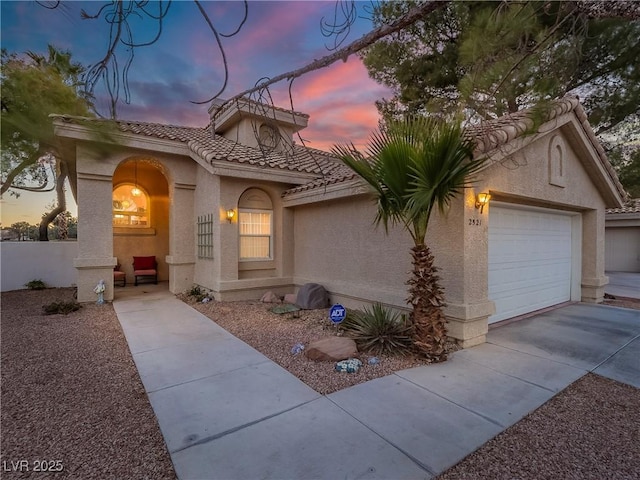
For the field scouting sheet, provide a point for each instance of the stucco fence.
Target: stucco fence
(51, 262)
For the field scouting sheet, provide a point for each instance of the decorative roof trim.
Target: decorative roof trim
(343, 189)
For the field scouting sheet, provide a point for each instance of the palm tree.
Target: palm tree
(412, 166)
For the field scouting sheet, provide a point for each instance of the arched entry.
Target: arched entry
(140, 219)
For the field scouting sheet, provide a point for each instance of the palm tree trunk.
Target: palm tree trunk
(426, 297)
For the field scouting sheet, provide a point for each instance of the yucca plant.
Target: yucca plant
(412, 166)
(379, 330)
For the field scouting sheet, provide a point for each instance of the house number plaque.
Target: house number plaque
(475, 221)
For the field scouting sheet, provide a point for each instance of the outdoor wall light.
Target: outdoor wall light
(481, 200)
(230, 214)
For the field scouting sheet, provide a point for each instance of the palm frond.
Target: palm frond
(412, 166)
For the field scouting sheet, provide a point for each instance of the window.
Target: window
(205, 236)
(130, 207)
(255, 223)
(255, 234)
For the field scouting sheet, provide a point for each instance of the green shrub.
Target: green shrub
(61, 307)
(197, 293)
(379, 330)
(35, 285)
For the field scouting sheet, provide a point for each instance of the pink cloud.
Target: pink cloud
(341, 103)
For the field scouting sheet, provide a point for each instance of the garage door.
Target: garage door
(622, 249)
(529, 260)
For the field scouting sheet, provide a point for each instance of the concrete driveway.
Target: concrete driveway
(228, 412)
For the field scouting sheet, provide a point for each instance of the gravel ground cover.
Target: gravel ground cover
(591, 430)
(275, 335)
(71, 396)
(70, 393)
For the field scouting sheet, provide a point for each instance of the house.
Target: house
(622, 238)
(240, 208)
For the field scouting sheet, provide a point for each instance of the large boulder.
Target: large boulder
(331, 349)
(312, 296)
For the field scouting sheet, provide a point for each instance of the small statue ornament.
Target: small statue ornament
(100, 288)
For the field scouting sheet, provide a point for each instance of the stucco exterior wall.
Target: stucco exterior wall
(51, 262)
(207, 202)
(226, 276)
(338, 246)
(95, 259)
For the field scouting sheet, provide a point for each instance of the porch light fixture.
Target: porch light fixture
(481, 200)
(135, 191)
(230, 214)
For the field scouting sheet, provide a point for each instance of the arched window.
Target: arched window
(130, 206)
(255, 223)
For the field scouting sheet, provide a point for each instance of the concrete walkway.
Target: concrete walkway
(228, 412)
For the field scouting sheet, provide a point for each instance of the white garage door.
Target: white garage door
(622, 249)
(529, 260)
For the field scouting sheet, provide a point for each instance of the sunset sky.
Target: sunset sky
(185, 66)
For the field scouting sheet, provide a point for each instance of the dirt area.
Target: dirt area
(623, 302)
(73, 405)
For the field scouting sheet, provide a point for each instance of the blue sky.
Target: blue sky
(185, 66)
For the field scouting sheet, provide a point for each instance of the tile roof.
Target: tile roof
(632, 206)
(495, 133)
(492, 134)
(211, 147)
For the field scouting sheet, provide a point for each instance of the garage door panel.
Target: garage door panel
(622, 249)
(529, 260)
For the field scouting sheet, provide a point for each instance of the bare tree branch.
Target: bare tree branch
(27, 162)
(413, 15)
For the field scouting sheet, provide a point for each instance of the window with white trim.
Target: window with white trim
(255, 225)
(255, 234)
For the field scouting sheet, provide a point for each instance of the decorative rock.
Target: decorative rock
(312, 296)
(297, 348)
(352, 365)
(270, 297)
(331, 349)
(290, 298)
(373, 361)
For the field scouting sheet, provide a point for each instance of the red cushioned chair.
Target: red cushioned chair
(145, 268)
(119, 276)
